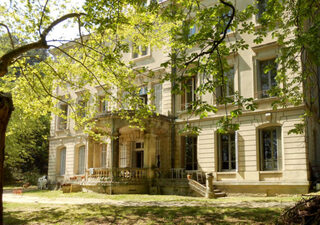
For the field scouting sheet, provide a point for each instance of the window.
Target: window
(192, 30)
(189, 94)
(103, 104)
(125, 100)
(227, 152)
(190, 148)
(158, 97)
(139, 154)
(62, 162)
(158, 144)
(270, 148)
(266, 79)
(63, 118)
(81, 159)
(139, 51)
(262, 6)
(228, 89)
(123, 156)
(82, 107)
(143, 94)
(103, 157)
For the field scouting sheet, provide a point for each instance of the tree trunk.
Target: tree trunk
(6, 107)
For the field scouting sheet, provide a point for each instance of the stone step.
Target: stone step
(220, 194)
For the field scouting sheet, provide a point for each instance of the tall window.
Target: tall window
(62, 166)
(103, 157)
(63, 118)
(143, 94)
(139, 51)
(188, 95)
(158, 97)
(270, 148)
(123, 156)
(103, 104)
(227, 90)
(227, 152)
(192, 30)
(262, 6)
(82, 107)
(139, 154)
(267, 71)
(81, 159)
(191, 157)
(158, 144)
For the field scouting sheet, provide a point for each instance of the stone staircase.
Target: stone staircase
(201, 189)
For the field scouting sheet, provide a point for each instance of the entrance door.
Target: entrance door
(139, 158)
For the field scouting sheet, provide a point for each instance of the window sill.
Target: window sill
(227, 173)
(141, 58)
(262, 100)
(271, 172)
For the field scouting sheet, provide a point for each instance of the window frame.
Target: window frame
(62, 162)
(219, 90)
(184, 101)
(81, 168)
(143, 94)
(103, 156)
(278, 160)
(194, 152)
(260, 93)
(123, 156)
(137, 51)
(262, 7)
(157, 98)
(220, 155)
(62, 123)
(103, 104)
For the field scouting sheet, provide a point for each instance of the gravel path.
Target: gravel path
(9, 197)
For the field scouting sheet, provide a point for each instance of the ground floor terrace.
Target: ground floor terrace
(261, 157)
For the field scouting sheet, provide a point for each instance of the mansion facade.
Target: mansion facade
(260, 157)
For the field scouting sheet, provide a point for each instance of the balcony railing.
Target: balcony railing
(115, 174)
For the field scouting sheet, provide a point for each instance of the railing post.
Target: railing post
(209, 185)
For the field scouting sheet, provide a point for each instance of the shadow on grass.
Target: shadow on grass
(104, 214)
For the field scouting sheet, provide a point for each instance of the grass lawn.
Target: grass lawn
(23, 213)
(31, 213)
(162, 198)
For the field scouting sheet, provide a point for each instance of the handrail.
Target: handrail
(104, 174)
(196, 186)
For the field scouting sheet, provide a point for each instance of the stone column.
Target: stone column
(209, 185)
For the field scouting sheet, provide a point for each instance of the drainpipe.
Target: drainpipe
(173, 108)
(173, 97)
(112, 151)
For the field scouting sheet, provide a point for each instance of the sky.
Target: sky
(64, 31)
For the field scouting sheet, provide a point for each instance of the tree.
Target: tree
(15, 57)
(112, 25)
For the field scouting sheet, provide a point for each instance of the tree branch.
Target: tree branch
(7, 59)
(218, 42)
(9, 33)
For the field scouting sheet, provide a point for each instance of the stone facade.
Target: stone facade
(261, 157)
